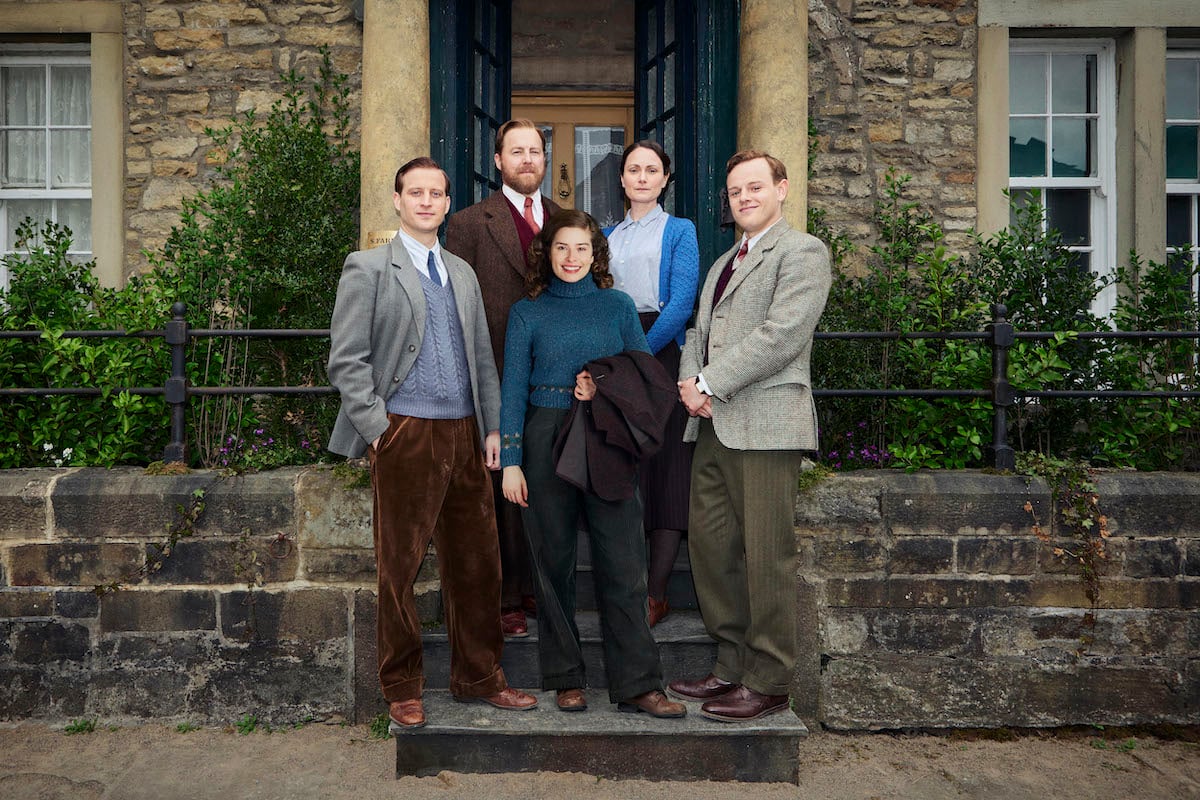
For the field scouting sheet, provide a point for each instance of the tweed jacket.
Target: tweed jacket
(485, 236)
(759, 339)
(375, 336)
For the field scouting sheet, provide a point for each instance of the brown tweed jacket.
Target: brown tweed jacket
(485, 236)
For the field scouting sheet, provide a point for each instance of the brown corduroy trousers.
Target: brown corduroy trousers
(430, 484)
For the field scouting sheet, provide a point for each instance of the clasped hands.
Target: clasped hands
(697, 403)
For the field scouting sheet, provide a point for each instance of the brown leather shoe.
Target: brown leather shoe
(407, 713)
(654, 703)
(529, 605)
(658, 610)
(571, 700)
(509, 699)
(705, 688)
(742, 704)
(512, 623)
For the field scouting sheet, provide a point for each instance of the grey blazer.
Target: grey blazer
(759, 340)
(378, 322)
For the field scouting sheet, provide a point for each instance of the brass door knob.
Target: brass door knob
(564, 182)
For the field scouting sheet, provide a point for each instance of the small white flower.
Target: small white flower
(67, 451)
(58, 462)
(47, 447)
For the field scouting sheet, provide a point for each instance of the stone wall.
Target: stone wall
(927, 601)
(197, 65)
(561, 46)
(892, 85)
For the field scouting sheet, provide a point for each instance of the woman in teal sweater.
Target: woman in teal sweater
(572, 316)
(656, 261)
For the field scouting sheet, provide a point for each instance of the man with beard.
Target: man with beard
(493, 236)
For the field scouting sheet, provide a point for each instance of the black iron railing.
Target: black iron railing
(999, 336)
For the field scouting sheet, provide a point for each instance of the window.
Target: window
(45, 141)
(1183, 160)
(1060, 133)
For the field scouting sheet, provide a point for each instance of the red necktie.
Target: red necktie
(723, 281)
(529, 215)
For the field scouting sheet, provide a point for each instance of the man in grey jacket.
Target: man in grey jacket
(744, 377)
(411, 358)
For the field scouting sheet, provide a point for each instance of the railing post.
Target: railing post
(175, 390)
(1002, 338)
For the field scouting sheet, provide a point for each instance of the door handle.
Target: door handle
(564, 182)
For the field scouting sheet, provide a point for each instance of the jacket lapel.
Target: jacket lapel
(410, 281)
(503, 231)
(754, 258)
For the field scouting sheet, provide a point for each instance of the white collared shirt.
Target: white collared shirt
(518, 201)
(636, 248)
(419, 254)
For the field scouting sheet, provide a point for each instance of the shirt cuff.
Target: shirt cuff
(702, 385)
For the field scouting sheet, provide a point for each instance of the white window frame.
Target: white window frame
(1103, 220)
(46, 55)
(1180, 186)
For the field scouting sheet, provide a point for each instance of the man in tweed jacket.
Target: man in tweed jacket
(744, 378)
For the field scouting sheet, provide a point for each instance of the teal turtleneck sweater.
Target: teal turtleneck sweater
(549, 341)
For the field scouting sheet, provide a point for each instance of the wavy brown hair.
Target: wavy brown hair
(539, 274)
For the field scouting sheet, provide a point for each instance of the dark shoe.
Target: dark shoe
(742, 704)
(512, 623)
(571, 700)
(509, 699)
(407, 713)
(706, 688)
(529, 606)
(654, 703)
(658, 610)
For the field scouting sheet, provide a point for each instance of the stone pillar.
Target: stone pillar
(108, 156)
(1140, 144)
(395, 103)
(773, 92)
(991, 130)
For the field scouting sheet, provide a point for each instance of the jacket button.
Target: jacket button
(661, 304)
(396, 379)
(412, 348)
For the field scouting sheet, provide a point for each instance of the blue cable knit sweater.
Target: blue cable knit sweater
(549, 340)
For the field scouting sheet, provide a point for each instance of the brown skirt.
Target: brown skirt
(666, 477)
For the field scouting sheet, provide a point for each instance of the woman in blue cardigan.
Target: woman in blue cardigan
(656, 261)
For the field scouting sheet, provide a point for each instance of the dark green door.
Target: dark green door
(470, 91)
(685, 98)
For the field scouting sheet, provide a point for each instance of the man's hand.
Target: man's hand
(515, 489)
(491, 451)
(697, 403)
(585, 387)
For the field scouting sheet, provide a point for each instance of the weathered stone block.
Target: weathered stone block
(73, 564)
(23, 502)
(330, 513)
(926, 592)
(1151, 503)
(997, 555)
(1152, 558)
(306, 615)
(961, 502)
(144, 610)
(846, 504)
(122, 503)
(1191, 565)
(229, 561)
(340, 564)
(923, 632)
(76, 605)
(919, 555)
(854, 555)
(48, 642)
(33, 692)
(26, 603)
(368, 701)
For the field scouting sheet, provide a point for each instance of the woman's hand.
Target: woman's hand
(585, 387)
(515, 489)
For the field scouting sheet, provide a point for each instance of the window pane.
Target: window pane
(24, 159)
(1082, 261)
(1183, 88)
(668, 76)
(17, 211)
(1183, 152)
(77, 215)
(1027, 147)
(653, 96)
(597, 172)
(70, 158)
(70, 96)
(1069, 212)
(1027, 83)
(1071, 156)
(1074, 80)
(1019, 199)
(24, 96)
(1179, 220)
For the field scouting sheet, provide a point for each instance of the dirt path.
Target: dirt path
(327, 761)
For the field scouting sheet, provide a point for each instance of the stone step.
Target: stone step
(476, 738)
(686, 650)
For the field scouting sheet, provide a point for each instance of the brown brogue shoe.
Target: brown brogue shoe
(509, 699)
(654, 703)
(658, 610)
(529, 605)
(407, 713)
(512, 624)
(706, 688)
(743, 704)
(571, 700)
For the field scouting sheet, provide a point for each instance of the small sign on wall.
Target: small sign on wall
(376, 238)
